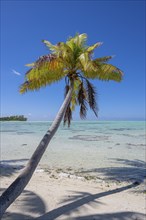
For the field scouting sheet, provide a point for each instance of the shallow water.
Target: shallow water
(88, 145)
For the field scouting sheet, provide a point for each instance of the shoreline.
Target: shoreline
(7, 170)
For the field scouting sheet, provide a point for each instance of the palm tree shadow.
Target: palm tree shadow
(9, 167)
(28, 202)
(134, 172)
(112, 216)
(79, 200)
(83, 198)
(131, 171)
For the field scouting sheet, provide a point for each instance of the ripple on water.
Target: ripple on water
(89, 138)
(25, 132)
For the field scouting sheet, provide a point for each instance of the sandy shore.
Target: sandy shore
(61, 196)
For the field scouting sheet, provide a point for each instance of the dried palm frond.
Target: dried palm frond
(83, 110)
(82, 101)
(68, 116)
(91, 93)
(41, 60)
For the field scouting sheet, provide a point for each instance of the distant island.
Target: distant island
(14, 118)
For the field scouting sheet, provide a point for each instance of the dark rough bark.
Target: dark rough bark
(15, 189)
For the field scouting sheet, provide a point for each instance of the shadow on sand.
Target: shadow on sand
(83, 198)
(130, 170)
(33, 203)
(9, 167)
(111, 216)
(106, 216)
(28, 202)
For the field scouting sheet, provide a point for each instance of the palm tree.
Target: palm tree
(73, 61)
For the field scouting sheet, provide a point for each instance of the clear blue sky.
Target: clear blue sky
(120, 25)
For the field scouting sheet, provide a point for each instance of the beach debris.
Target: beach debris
(62, 175)
(71, 176)
(89, 177)
(59, 170)
(39, 171)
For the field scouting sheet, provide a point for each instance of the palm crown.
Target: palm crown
(72, 60)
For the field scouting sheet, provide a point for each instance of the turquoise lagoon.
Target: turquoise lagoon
(88, 146)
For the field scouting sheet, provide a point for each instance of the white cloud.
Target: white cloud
(16, 73)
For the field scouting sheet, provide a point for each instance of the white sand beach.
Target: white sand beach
(52, 195)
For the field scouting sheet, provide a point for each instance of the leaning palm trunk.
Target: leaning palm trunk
(15, 189)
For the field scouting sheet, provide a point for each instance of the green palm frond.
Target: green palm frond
(85, 63)
(74, 99)
(77, 48)
(31, 85)
(66, 55)
(104, 72)
(110, 72)
(51, 47)
(30, 64)
(23, 87)
(93, 47)
(46, 70)
(103, 59)
(79, 40)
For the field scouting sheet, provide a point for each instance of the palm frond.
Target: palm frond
(53, 48)
(103, 59)
(31, 85)
(66, 55)
(74, 98)
(30, 64)
(23, 87)
(91, 93)
(93, 47)
(46, 70)
(82, 101)
(85, 62)
(68, 116)
(110, 72)
(79, 39)
(41, 60)
(104, 71)
(83, 110)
